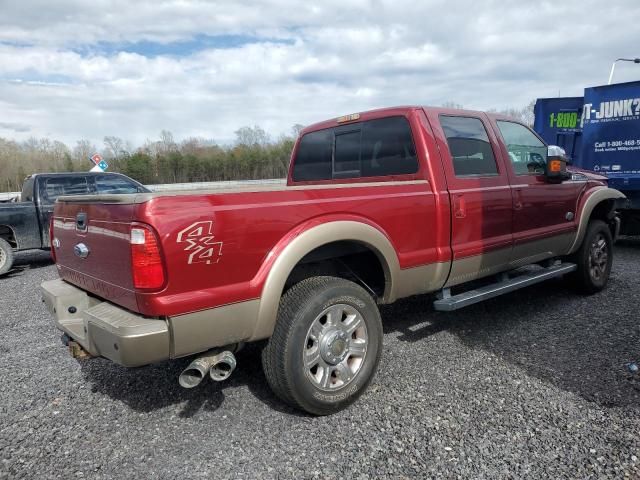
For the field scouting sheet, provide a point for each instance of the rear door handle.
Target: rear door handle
(459, 206)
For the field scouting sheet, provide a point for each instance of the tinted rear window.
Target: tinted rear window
(347, 155)
(367, 149)
(469, 146)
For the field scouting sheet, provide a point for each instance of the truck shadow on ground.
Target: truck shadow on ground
(630, 242)
(154, 387)
(576, 343)
(28, 260)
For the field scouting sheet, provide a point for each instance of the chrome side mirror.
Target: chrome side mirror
(556, 170)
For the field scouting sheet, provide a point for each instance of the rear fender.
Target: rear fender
(7, 233)
(592, 199)
(311, 237)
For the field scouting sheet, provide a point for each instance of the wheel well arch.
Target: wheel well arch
(349, 259)
(603, 210)
(7, 233)
(599, 204)
(349, 241)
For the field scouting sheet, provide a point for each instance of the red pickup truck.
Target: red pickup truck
(378, 206)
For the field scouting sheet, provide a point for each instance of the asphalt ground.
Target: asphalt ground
(529, 385)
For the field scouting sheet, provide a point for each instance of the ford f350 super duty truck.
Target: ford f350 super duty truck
(378, 206)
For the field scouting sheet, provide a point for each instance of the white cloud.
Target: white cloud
(74, 69)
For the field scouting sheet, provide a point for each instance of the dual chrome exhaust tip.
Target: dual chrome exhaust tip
(218, 364)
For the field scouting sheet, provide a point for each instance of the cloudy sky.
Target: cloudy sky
(78, 69)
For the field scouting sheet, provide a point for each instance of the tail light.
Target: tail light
(52, 240)
(146, 258)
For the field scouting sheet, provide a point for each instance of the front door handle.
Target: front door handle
(517, 200)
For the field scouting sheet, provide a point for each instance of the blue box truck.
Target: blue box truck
(600, 132)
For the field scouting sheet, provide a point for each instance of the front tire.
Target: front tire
(326, 345)
(594, 259)
(6, 256)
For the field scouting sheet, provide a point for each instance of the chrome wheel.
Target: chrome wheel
(335, 347)
(3, 258)
(598, 257)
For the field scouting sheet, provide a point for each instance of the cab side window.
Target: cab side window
(527, 153)
(114, 184)
(387, 148)
(313, 160)
(58, 186)
(470, 147)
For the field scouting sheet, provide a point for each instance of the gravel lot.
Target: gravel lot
(530, 385)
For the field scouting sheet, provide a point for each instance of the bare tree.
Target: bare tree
(167, 143)
(114, 147)
(524, 114)
(60, 156)
(450, 104)
(193, 145)
(248, 136)
(83, 151)
(296, 129)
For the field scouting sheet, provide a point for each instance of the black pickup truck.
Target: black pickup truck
(24, 225)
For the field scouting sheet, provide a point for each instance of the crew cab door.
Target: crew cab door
(479, 192)
(544, 222)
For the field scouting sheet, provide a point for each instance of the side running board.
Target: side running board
(449, 303)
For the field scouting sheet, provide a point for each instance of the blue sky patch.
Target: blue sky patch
(31, 76)
(181, 48)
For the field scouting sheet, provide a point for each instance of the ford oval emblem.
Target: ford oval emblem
(81, 250)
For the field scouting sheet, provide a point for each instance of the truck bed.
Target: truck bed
(242, 228)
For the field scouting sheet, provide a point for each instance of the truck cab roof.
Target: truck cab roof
(401, 110)
(31, 181)
(79, 174)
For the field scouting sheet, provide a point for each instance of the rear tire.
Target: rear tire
(594, 259)
(6, 256)
(326, 345)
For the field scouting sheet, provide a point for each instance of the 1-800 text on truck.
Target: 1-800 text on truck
(378, 206)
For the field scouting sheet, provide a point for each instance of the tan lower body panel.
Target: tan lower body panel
(216, 327)
(478, 266)
(422, 279)
(200, 331)
(538, 250)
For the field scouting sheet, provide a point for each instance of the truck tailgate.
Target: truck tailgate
(93, 247)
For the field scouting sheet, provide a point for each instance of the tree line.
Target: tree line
(253, 155)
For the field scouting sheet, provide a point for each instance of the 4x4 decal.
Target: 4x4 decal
(201, 246)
